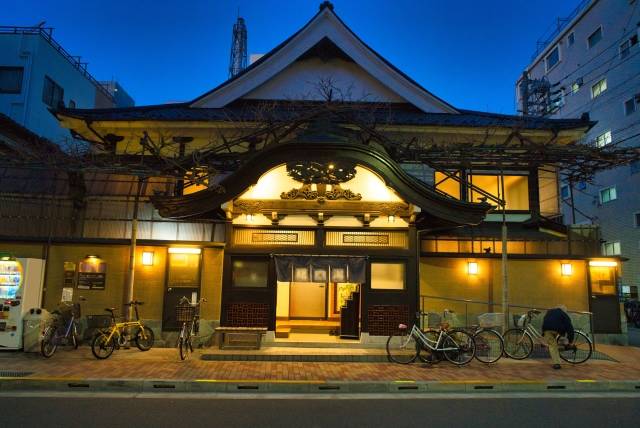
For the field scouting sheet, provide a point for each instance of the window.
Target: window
(594, 38)
(516, 189)
(625, 47)
(629, 106)
(571, 39)
(387, 276)
(11, 80)
(636, 219)
(575, 87)
(184, 270)
(52, 93)
(565, 192)
(250, 273)
(598, 88)
(603, 139)
(448, 185)
(608, 194)
(553, 58)
(611, 248)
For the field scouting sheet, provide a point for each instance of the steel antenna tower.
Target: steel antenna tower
(238, 59)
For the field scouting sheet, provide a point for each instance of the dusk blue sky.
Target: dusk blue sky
(468, 52)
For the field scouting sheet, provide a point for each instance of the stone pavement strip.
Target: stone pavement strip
(160, 368)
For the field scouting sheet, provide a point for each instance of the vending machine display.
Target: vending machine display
(20, 290)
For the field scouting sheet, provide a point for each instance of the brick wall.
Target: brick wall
(247, 315)
(384, 319)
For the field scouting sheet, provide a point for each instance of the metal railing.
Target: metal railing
(47, 34)
(556, 28)
(462, 306)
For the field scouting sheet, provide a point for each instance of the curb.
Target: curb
(34, 384)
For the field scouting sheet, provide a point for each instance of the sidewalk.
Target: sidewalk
(19, 369)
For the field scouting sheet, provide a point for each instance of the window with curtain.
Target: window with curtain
(388, 276)
(11, 80)
(250, 273)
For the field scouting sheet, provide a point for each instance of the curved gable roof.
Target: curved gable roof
(206, 203)
(324, 25)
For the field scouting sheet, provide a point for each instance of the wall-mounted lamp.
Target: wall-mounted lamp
(184, 250)
(566, 269)
(147, 258)
(603, 263)
(249, 217)
(391, 219)
(472, 268)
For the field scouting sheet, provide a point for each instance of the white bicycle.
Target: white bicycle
(518, 342)
(457, 346)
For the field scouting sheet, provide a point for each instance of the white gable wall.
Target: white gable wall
(301, 80)
(325, 24)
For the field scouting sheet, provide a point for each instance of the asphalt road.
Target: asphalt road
(335, 411)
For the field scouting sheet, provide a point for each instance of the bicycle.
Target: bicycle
(106, 341)
(458, 347)
(63, 330)
(189, 315)
(489, 342)
(519, 341)
(632, 312)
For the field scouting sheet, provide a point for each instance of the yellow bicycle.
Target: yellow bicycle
(108, 340)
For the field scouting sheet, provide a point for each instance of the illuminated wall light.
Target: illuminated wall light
(603, 263)
(391, 219)
(566, 269)
(184, 250)
(472, 268)
(249, 217)
(147, 258)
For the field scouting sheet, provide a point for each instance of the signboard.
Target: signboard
(67, 294)
(69, 278)
(92, 274)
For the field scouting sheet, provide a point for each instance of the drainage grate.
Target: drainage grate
(14, 373)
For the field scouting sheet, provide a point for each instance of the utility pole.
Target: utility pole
(132, 248)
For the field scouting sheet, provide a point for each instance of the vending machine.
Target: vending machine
(21, 282)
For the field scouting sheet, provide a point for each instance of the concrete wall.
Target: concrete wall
(535, 283)
(39, 58)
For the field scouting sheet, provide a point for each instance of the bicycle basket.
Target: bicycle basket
(67, 311)
(491, 319)
(184, 313)
(518, 320)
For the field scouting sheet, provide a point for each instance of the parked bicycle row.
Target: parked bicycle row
(63, 330)
(461, 345)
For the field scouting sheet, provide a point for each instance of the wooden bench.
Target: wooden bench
(240, 337)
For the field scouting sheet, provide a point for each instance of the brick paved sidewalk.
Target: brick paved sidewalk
(163, 364)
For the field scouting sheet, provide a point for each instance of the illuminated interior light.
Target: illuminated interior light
(331, 166)
(147, 258)
(184, 250)
(472, 268)
(391, 219)
(566, 269)
(603, 263)
(249, 217)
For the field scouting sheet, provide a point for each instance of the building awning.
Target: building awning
(320, 268)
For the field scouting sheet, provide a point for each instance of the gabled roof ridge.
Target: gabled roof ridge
(329, 8)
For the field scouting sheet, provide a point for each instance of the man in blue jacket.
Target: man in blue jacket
(557, 322)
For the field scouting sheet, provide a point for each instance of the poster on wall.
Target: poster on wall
(69, 278)
(92, 274)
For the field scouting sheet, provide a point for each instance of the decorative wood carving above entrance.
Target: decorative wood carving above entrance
(321, 174)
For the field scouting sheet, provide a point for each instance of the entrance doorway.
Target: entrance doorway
(317, 312)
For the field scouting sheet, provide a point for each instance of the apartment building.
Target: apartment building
(590, 63)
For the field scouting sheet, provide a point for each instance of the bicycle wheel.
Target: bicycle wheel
(402, 348)
(102, 347)
(458, 347)
(428, 355)
(49, 343)
(581, 353)
(183, 346)
(489, 346)
(517, 344)
(144, 338)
